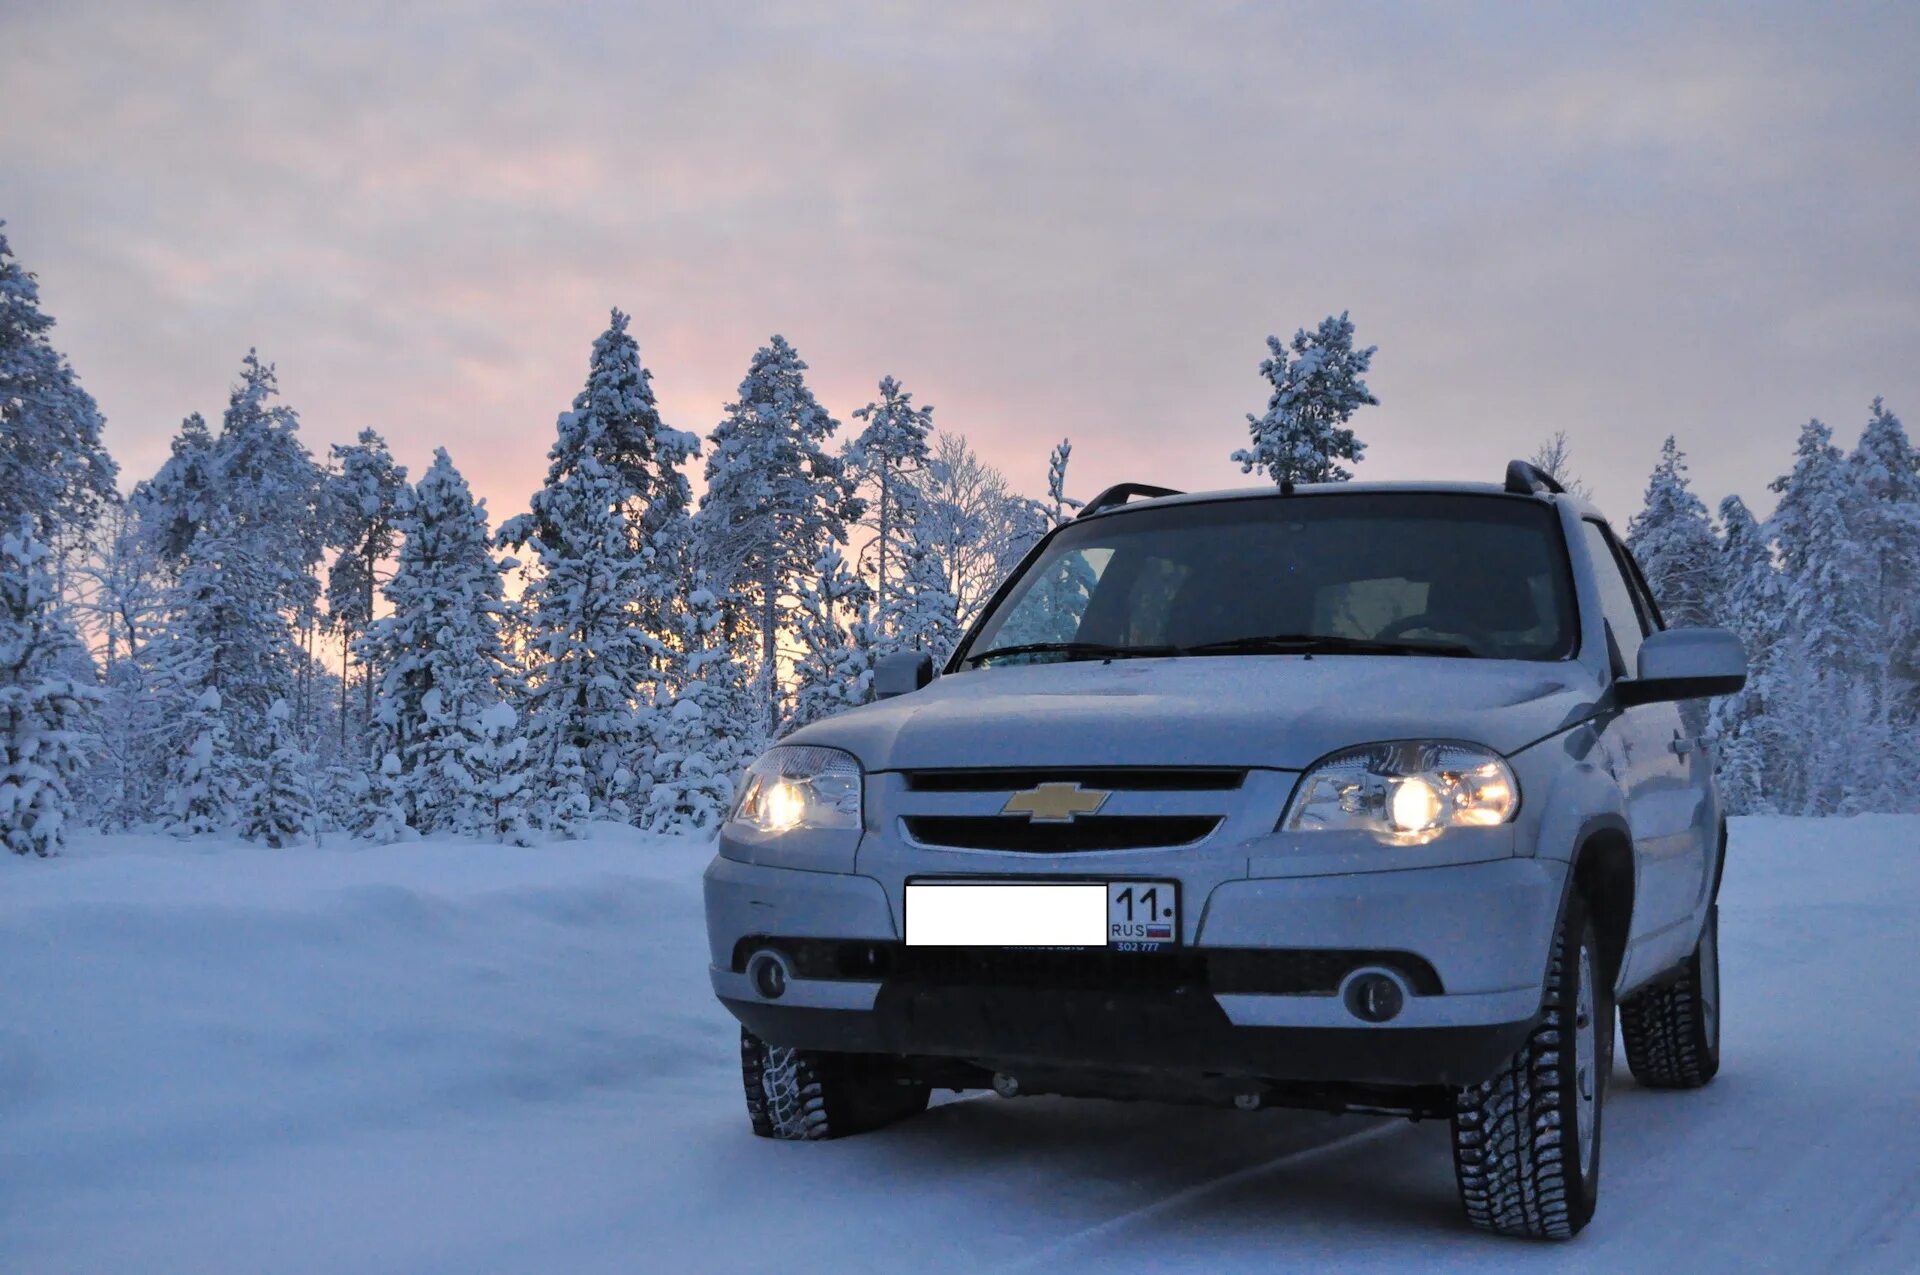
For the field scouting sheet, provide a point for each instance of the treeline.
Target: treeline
(1826, 595)
(257, 640)
(260, 641)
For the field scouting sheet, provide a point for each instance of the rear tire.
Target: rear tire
(1526, 1143)
(804, 1095)
(1673, 1031)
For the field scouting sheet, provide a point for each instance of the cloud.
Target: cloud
(1047, 221)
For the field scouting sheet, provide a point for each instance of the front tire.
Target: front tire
(1526, 1143)
(1673, 1031)
(805, 1095)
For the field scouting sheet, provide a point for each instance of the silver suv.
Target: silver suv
(1374, 798)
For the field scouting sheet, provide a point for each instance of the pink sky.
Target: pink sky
(1078, 223)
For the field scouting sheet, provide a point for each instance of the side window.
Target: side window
(1616, 595)
(1650, 616)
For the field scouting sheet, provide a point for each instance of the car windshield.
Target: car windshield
(1371, 573)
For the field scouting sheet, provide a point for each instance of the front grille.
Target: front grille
(1275, 971)
(1089, 832)
(1112, 778)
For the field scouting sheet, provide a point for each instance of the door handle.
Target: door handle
(1681, 745)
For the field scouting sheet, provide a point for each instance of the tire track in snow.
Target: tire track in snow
(1099, 1231)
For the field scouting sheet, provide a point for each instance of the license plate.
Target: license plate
(1129, 916)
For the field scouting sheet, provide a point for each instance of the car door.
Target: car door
(1642, 742)
(1692, 802)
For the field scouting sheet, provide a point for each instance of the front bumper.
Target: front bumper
(1482, 928)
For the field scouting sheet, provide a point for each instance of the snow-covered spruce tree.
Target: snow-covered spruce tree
(1823, 562)
(775, 501)
(279, 806)
(1884, 477)
(610, 540)
(270, 487)
(383, 817)
(883, 460)
(1304, 436)
(363, 496)
(1673, 541)
(834, 621)
(1828, 655)
(176, 502)
(42, 705)
(616, 421)
(225, 631)
(496, 768)
(54, 471)
(708, 733)
(1752, 738)
(205, 778)
(590, 660)
(439, 649)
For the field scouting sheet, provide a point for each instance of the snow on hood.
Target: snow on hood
(1281, 711)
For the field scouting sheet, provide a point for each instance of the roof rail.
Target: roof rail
(1525, 479)
(1120, 493)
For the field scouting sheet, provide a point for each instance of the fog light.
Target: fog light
(1374, 997)
(768, 975)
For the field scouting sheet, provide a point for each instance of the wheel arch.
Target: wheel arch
(1603, 873)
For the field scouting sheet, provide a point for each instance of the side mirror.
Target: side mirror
(901, 673)
(1685, 664)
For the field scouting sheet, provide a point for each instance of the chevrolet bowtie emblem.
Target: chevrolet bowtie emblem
(1055, 803)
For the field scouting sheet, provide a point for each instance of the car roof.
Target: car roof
(1581, 507)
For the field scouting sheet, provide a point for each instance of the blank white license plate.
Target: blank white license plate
(1128, 915)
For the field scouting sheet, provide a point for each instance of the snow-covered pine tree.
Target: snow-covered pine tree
(884, 460)
(707, 734)
(610, 539)
(363, 496)
(1673, 541)
(278, 806)
(43, 706)
(496, 768)
(775, 501)
(205, 782)
(1751, 738)
(439, 649)
(54, 471)
(834, 621)
(1304, 436)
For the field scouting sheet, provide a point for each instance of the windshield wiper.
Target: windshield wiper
(1072, 651)
(1326, 644)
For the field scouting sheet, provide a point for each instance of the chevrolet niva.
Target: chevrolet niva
(1358, 797)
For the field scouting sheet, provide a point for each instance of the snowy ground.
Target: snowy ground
(460, 1058)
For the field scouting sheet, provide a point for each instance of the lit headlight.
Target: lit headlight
(1407, 793)
(798, 786)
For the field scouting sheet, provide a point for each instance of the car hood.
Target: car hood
(1280, 711)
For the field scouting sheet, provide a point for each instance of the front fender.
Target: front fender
(1578, 795)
